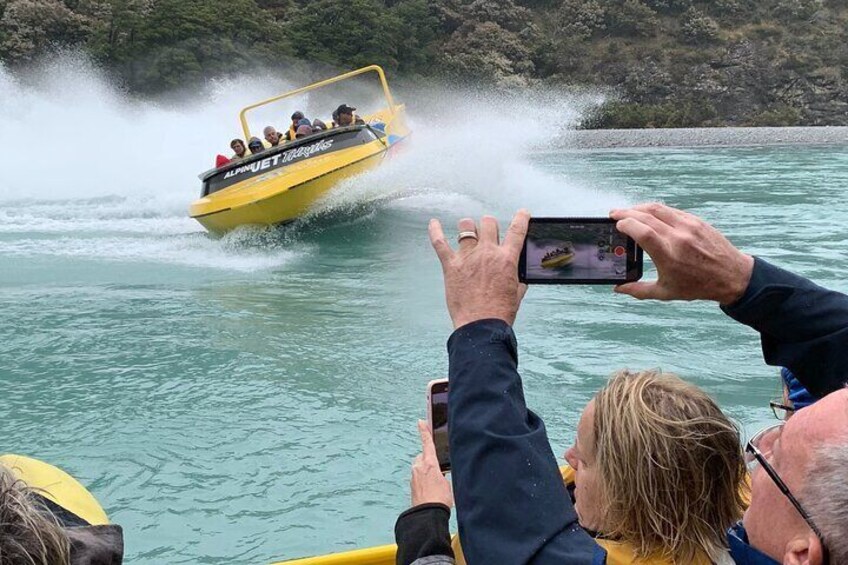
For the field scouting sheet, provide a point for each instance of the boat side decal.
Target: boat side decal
(256, 166)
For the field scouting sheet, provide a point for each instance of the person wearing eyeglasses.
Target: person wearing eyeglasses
(795, 396)
(799, 491)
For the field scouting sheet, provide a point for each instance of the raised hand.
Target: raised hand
(481, 278)
(694, 260)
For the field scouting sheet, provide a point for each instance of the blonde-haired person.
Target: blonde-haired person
(657, 469)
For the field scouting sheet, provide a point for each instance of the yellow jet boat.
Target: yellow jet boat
(282, 183)
(558, 258)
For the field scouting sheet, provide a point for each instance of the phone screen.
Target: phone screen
(439, 421)
(578, 251)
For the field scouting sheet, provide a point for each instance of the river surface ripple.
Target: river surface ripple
(254, 398)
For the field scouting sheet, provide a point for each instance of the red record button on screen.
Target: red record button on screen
(619, 251)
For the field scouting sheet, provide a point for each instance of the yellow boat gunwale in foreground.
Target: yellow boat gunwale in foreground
(298, 173)
(379, 555)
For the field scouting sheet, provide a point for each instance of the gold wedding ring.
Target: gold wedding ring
(466, 234)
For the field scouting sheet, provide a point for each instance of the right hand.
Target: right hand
(481, 278)
(694, 260)
(428, 484)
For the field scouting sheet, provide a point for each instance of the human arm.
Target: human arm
(512, 505)
(422, 531)
(802, 326)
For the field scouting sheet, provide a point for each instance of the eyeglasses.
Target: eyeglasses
(780, 410)
(756, 450)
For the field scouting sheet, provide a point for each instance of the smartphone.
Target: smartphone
(437, 417)
(578, 251)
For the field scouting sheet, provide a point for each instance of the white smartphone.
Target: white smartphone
(437, 418)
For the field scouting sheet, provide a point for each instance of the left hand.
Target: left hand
(481, 279)
(694, 260)
(428, 484)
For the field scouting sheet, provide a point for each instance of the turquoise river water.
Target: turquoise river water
(253, 398)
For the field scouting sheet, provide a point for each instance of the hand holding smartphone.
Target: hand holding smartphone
(437, 418)
(578, 251)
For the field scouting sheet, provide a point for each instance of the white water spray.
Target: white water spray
(82, 159)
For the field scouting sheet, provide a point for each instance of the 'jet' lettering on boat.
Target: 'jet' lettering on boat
(284, 157)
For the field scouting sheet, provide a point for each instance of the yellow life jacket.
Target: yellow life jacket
(292, 133)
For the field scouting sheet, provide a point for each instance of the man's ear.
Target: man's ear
(804, 550)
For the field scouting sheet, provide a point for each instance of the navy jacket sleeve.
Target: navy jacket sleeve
(512, 506)
(802, 326)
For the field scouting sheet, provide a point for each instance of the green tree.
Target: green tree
(171, 43)
(631, 18)
(32, 27)
(419, 31)
(349, 33)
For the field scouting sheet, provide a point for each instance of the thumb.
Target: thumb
(640, 290)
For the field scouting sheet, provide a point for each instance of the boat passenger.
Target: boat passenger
(344, 116)
(221, 160)
(240, 149)
(292, 131)
(272, 136)
(35, 529)
(303, 131)
(318, 125)
(255, 145)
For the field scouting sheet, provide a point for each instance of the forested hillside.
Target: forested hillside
(671, 62)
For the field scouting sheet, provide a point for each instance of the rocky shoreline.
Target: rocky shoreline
(702, 137)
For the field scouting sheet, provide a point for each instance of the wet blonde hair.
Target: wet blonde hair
(28, 534)
(670, 466)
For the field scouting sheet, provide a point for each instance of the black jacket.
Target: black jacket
(802, 326)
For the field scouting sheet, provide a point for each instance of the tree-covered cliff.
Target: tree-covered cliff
(671, 62)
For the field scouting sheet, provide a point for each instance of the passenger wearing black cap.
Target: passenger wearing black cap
(292, 132)
(255, 145)
(344, 116)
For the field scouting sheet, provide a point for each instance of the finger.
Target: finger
(641, 290)
(438, 241)
(669, 215)
(489, 230)
(522, 290)
(467, 225)
(516, 233)
(428, 448)
(662, 228)
(644, 235)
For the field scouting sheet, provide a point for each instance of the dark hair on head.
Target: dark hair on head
(236, 140)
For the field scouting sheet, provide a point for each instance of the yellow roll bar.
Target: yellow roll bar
(371, 68)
